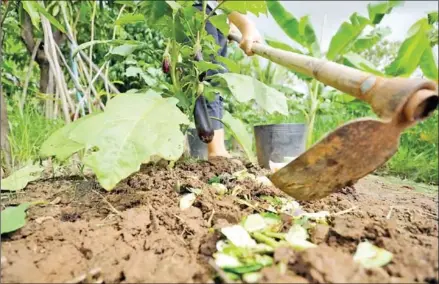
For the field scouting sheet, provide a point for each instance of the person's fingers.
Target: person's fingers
(246, 45)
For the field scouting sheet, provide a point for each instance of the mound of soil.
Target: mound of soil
(137, 232)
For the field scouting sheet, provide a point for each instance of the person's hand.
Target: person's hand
(248, 39)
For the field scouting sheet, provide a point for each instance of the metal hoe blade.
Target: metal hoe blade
(340, 159)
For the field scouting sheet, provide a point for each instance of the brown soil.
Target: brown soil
(145, 237)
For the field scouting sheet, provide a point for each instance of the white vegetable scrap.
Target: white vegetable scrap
(187, 200)
(241, 175)
(289, 206)
(252, 277)
(319, 217)
(220, 245)
(226, 261)
(297, 238)
(264, 180)
(196, 191)
(371, 256)
(274, 167)
(271, 209)
(238, 236)
(220, 188)
(254, 223)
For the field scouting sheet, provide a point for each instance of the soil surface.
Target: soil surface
(137, 232)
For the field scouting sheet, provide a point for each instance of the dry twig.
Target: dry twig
(345, 211)
(209, 221)
(390, 213)
(109, 204)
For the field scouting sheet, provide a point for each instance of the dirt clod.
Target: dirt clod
(152, 240)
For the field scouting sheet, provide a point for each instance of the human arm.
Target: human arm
(248, 30)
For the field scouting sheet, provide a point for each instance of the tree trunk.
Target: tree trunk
(5, 148)
(44, 76)
(4, 131)
(27, 37)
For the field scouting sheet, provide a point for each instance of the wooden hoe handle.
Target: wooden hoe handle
(407, 100)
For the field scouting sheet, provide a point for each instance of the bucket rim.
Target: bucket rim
(278, 124)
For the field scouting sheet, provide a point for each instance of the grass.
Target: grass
(27, 133)
(416, 159)
(417, 156)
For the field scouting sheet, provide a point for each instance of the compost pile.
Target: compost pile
(181, 224)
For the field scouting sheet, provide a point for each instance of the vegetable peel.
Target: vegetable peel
(187, 200)
(238, 236)
(370, 256)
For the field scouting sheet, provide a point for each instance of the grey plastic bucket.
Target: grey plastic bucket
(197, 149)
(275, 142)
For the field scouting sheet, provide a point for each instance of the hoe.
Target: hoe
(359, 147)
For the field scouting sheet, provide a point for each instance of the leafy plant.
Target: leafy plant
(138, 125)
(19, 179)
(345, 45)
(13, 218)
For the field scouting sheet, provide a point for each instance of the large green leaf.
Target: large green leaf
(130, 19)
(13, 218)
(220, 22)
(19, 179)
(135, 127)
(133, 71)
(60, 145)
(124, 50)
(309, 36)
(239, 131)
(286, 21)
(301, 31)
(231, 65)
(158, 15)
(156, 10)
(203, 66)
(281, 45)
(174, 5)
(365, 42)
(411, 50)
(49, 17)
(88, 130)
(128, 3)
(428, 64)
(377, 11)
(346, 35)
(245, 88)
(254, 7)
(361, 63)
(110, 41)
(432, 17)
(31, 9)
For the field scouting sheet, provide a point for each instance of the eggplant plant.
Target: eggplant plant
(152, 121)
(347, 45)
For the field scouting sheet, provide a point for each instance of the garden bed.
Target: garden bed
(138, 233)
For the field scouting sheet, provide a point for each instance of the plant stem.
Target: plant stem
(213, 11)
(56, 69)
(28, 75)
(313, 93)
(93, 15)
(264, 239)
(275, 235)
(107, 67)
(174, 58)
